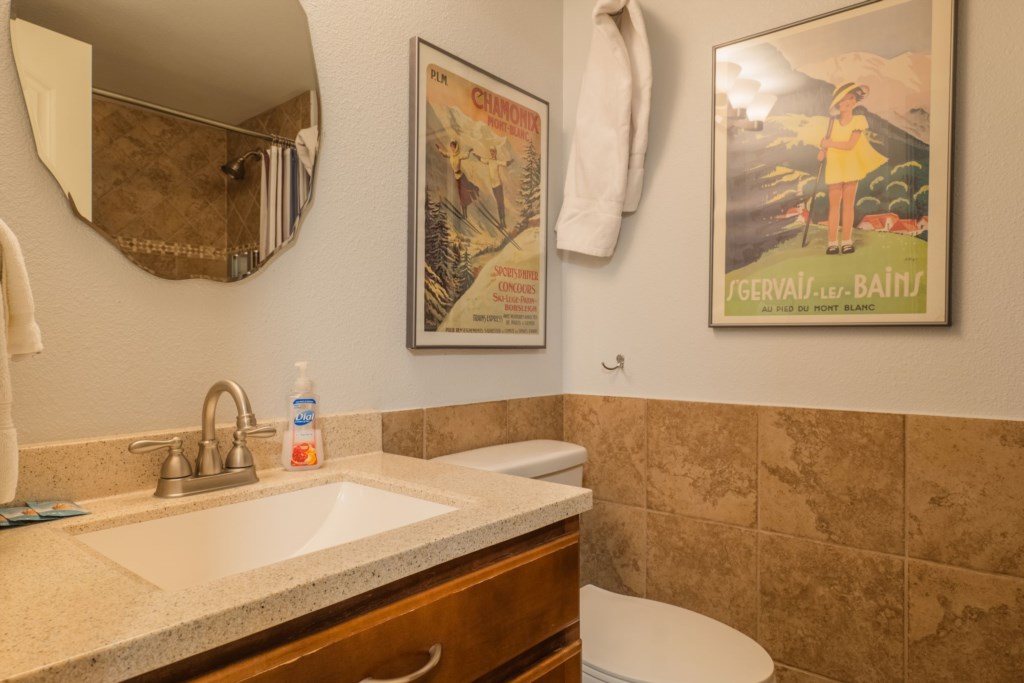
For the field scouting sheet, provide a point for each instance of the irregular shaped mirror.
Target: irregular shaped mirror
(183, 131)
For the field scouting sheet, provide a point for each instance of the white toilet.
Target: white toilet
(627, 639)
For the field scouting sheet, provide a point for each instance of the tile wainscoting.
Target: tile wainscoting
(854, 546)
(432, 432)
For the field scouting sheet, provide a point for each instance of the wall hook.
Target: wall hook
(620, 361)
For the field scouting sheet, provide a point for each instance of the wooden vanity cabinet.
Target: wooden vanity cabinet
(507, 613)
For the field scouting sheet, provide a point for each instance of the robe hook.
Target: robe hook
(620, 361)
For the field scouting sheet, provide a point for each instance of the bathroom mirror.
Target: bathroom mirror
(183, 131)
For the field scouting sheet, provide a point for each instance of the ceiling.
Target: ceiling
(226, 60)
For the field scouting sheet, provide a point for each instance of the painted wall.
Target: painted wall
(127, 352)
(650, 300)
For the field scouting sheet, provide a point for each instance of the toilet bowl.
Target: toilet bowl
(628, 639)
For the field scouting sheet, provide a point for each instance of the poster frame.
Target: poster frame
(417, 337)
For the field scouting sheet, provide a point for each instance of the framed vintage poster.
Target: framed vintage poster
(478, 207)
(831, 169)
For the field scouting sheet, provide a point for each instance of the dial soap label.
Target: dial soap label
(303, 419)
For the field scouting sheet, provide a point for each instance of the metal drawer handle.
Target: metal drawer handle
(435, 657)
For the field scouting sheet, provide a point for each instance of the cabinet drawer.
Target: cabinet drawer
(482, 620)
(565, 666)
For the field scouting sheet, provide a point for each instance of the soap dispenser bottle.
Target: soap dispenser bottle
(302, 445)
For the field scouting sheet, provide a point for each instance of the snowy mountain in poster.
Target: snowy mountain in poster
(900, 87)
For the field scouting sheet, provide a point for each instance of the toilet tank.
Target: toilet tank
(544, 459)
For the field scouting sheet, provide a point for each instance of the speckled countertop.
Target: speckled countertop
(68, 613)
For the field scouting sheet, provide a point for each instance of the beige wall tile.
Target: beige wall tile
(402, 432)
(348, 434)
(964, 626)
(451, 429)
(833, 476)
(834, 611)
(612, 542)
(708, 568)
(784, 674)
(702, 460)
(613, 430)
(539, 417)
(965, 492)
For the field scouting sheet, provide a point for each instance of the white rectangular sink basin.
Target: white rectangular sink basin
(196, 547)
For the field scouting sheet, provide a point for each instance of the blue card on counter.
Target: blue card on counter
(56, 508)
(18, 516)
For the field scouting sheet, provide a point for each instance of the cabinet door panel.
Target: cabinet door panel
(481, 620)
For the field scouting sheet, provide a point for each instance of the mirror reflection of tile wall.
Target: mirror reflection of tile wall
(159, 194)
(158, 191)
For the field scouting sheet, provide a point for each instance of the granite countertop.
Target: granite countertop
(69, 613)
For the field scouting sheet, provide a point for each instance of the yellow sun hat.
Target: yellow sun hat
(842, 91)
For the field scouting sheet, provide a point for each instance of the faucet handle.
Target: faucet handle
(261, 432)
(239, 456)
(175, 466)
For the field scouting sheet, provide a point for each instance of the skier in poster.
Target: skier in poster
(468, 192)
(494, 173)
(848, 157)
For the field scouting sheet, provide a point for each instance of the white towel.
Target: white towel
(19, 338)
(606, 164)
(306, 141)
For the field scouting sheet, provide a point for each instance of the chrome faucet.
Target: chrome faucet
(211, 472)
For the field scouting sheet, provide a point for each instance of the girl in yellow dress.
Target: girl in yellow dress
(849, 157)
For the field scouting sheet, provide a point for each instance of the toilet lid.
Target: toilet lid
(536, 458)
(643, 641)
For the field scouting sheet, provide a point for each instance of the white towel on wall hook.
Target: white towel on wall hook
(306, 142)
(20, 337)
(606, 164)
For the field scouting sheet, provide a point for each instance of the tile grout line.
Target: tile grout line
(423, 434)
(808, 672)
(646, 509)
(970, 570)
(829, 544)
(906, 555)
(906, 558)
(757, 519)
(698, 520)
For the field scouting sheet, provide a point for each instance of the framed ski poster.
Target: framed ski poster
(478, 207)
(831, 169)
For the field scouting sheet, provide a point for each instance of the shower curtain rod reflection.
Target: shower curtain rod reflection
(190, 117)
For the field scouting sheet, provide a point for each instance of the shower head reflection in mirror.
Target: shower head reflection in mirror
(157, 130)
(236, 169)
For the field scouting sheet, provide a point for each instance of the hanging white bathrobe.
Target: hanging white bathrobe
(606, 164)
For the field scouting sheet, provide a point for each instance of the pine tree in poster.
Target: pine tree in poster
(529, 189)
(465, 269)
(443, 268)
